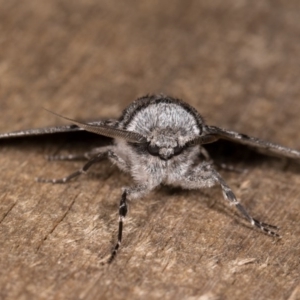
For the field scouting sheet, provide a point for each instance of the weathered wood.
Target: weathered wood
(237, 62)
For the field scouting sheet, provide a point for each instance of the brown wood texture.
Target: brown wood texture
(236, 61)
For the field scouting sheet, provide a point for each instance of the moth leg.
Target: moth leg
(230, 196)
(205, 154)
(128, 193)
(118, 161)
(204, 175)
(83, 156)
(83, 170)
(122, 214)
(231, 168)
(70, 157)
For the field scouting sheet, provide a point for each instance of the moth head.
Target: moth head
(167, 142)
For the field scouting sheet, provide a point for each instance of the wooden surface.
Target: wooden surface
(237, 62)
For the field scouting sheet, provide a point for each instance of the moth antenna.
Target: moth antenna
(202, 140)
(105, 130)
(206, 139)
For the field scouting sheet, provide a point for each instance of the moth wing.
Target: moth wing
(46, 130)
(261, 145)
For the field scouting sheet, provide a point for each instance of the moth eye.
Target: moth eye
(177, 150)
(153, 149)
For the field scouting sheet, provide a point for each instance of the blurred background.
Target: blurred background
(236, 61)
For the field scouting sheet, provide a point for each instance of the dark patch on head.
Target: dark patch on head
(146, 148)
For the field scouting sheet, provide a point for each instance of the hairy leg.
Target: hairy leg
(83, 170)
(118, 161)
(82, 156)
(204, 175)
(128, 194)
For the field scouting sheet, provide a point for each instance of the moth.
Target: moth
(159, 140)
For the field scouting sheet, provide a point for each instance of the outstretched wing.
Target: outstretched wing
(106, 128)
(44, 130)
(260, 145)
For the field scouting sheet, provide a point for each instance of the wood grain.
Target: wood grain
(237, 62)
